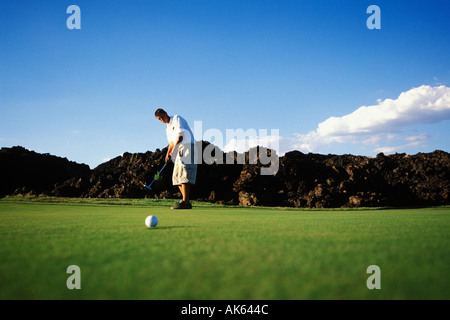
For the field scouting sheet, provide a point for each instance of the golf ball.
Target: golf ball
(151, 221)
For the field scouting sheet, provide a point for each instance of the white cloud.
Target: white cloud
(419, 138)
(243, 144)
(381, 123)
(376, 127)
(413, 141)
(420, 105)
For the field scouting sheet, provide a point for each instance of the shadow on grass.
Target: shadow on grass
(170, 227)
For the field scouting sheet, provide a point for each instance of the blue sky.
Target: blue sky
(302, 67)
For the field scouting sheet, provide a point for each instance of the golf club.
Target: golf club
(156, 177)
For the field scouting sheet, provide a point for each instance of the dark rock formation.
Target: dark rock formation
(302, 180)
(27, 172)
(318, 181)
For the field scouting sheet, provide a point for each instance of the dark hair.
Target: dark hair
(160, 112)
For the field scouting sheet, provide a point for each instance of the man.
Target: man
(181, 152)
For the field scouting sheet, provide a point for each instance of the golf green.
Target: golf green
(214, 252)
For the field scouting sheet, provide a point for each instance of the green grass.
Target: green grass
(214, 252)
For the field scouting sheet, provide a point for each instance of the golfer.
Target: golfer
(181, 152)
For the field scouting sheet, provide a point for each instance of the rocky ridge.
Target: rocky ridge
(302, 180)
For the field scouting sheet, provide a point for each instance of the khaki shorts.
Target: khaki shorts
(184, 171)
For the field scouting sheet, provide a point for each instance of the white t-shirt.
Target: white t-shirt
(179, 126)
(187, 149)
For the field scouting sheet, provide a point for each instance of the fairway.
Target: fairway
(215, 252)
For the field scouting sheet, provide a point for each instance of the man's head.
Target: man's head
(162, 116)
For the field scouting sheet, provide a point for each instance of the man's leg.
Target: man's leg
(181, 190)
(185, 203)
(185, 190)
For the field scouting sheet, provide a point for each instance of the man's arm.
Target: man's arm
(172, 146)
